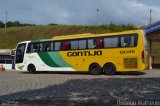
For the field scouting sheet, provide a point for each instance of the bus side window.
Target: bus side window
(74, 44)
(65, 45)
(99, 43)
(95, 43)
(33, 47)
(110, 42)
(136, 40)
(45, 46)
(48, 47)
(57, 46)
(52, 46)
(36, 47)
(132, 44)
(128, 41)
(91, 43)
(41, 47)
(82, 44)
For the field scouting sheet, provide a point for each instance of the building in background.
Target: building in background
(7, 58)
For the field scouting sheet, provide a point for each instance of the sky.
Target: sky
(80, 12)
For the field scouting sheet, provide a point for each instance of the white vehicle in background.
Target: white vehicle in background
(7, 58)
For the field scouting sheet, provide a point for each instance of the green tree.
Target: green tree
(1, 24)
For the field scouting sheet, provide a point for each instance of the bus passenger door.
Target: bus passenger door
(20, 56)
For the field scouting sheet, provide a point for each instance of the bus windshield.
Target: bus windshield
(20, 52)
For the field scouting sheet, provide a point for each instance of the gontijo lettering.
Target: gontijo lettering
(85, 53)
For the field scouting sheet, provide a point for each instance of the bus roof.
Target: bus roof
(87, 35)
(41, 40)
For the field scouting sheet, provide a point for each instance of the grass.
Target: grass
(11, 36)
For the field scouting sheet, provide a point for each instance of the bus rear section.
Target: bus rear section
(135, 57)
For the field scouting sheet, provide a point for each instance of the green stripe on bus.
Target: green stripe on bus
(53, 59)
(47, 59)
(58, 59)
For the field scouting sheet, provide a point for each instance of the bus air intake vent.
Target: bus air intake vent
(130, 63)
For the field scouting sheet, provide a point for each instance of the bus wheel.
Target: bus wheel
(109, 69)
(95, 69)
(31, 68)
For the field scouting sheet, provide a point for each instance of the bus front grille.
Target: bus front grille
(130, 63)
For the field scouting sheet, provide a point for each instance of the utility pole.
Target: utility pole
(150, 44)
(150, 21)
(6, 20)
(97, 16)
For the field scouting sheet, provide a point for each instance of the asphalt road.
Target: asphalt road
(50, 88)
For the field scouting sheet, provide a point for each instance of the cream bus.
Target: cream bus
(96, 53)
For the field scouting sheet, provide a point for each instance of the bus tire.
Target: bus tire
(31, 68)
(95, 69)
(109, 69)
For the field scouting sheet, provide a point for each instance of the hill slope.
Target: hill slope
(11, 36)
